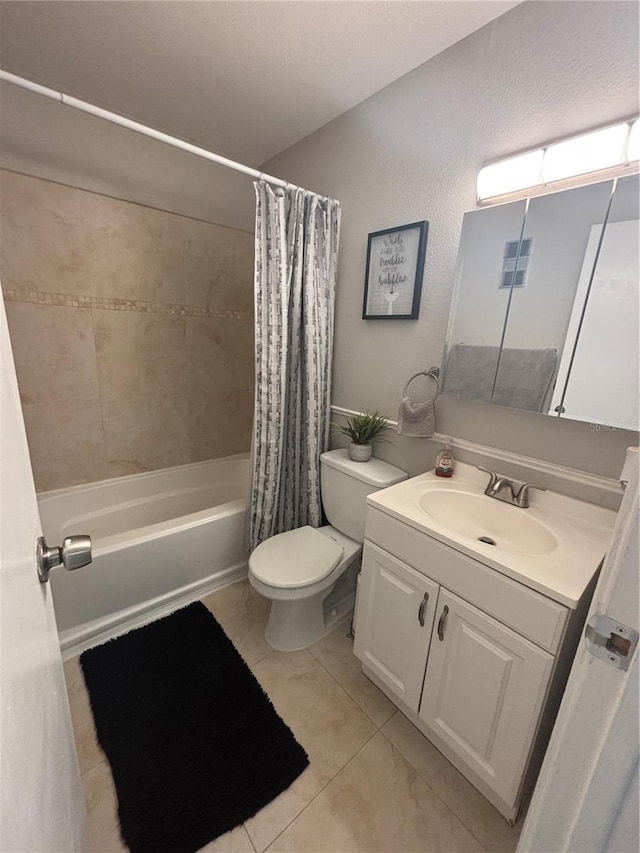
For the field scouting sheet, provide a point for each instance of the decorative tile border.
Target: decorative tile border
(106, 303)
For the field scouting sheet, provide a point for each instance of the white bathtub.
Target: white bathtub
(160, 540)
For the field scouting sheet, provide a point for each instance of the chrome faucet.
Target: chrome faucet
(502, 489)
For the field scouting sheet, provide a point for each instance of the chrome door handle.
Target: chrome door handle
(422, 608)
(442, 622)
(74, 553)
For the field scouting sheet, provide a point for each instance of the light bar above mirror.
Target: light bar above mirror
(609, 151)
(633, 146)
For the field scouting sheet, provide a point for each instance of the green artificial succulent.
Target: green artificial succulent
(365, 428)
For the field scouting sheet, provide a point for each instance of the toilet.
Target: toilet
(309, 574)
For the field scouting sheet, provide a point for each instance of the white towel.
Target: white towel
(416, 419)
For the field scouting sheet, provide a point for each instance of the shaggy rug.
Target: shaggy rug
(194, 743)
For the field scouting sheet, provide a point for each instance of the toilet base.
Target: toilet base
(295, 625)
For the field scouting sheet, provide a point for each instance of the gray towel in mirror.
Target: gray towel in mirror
(471, 371)
(523, 381)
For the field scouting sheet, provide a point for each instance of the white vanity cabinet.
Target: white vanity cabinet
(483, 692)
(476, 660)
(396, 607)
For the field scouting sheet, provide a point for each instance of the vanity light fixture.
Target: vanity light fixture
(516, 173)
(633, 146)
(581, 155)
(611, 151)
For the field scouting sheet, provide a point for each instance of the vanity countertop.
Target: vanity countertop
(554, 546)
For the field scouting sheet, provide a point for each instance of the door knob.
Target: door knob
(74, 553)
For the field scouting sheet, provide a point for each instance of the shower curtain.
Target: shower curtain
(297, 236)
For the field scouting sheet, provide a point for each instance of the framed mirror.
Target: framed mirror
(547, 320)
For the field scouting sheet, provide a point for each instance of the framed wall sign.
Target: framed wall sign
(395, 266)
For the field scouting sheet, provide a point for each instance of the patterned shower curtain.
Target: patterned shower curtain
(295, 272)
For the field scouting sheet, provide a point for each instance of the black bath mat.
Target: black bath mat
(195, 745)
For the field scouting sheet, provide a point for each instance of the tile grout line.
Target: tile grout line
(352, 700)
(123, 200)
(380, 729)
(300, 813)
(100, 400)
(435, 793)
(253, 846)
(344, 690)
(104, 761)
(408, 764)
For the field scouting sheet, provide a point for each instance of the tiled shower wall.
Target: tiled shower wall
(132, 332)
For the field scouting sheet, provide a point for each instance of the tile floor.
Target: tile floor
(374, 782)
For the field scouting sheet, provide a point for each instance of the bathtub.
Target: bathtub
(160, 540)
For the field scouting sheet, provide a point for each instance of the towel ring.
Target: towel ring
(432, 373)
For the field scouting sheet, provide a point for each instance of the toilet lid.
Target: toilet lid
(296, 558)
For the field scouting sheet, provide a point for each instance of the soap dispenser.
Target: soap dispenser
(445, 463)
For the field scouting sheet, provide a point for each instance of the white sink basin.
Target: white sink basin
(491, 522)
(554, 546)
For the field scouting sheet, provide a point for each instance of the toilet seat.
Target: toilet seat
(297, 558)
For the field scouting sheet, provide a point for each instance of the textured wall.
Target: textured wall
(39, 137)
(413, 151)
(132, 332)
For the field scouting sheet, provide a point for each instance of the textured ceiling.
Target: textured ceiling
(246, 79)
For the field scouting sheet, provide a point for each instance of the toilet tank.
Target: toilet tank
(345, 484)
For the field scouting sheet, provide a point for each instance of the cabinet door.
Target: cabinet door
(483, 692)
(396, 609)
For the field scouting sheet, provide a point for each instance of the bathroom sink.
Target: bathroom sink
(491, 522)
(553, 546)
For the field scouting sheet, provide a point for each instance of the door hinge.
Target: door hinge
(610, 640)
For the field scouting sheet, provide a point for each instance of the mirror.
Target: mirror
(602, 383)
(545, 312)
(486, 266)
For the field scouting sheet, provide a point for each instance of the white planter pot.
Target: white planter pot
(360, 452)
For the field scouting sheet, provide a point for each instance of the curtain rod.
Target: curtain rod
(114, 118)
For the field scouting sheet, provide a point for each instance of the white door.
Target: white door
(396, 608)
(41, 803)
(483, 692)
(586, 799)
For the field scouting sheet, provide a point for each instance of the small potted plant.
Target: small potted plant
(364, 429)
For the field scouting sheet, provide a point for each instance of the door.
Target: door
(586, 799)
(41, 803)
(483, 692)
(396, 608)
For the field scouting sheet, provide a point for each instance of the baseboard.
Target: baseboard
(74, 641)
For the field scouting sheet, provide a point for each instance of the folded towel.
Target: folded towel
(416, 419)
(471, 371)
(522, 380)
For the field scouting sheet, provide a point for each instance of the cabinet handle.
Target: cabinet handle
(422, 608)
(441, 622)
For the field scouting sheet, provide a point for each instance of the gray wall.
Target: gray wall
(42, 138)
(413, 151)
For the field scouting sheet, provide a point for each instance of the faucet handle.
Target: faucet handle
(521, 498)
(492, 474)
